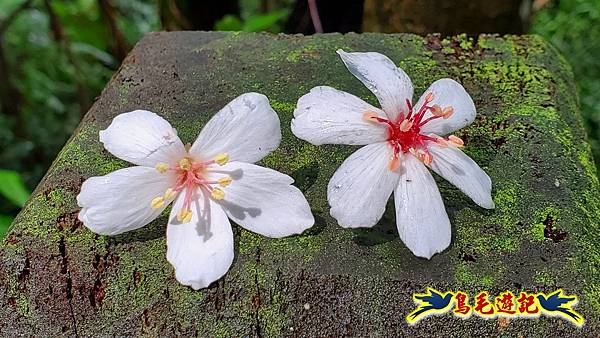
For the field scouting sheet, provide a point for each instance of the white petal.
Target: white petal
(389, 83)
(201, 251)
(247, 129)
(263, 200)
(447, 92)
(143, 138)
(329, 116)
(120, 201)
(460, 170)
(359, 190)
(421, 218)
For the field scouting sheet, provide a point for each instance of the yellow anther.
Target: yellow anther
(184, 215)
(412, 151)
(225, 181)
(436, 110)
(185, 164)
(217, 194)
(441, 143)
(406, 125)
(157, 203)
(222, 158)
(447, 112)
(169, 194)
(369, 116)
(456, 141)
(162, 167)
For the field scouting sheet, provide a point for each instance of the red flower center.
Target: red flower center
(404, 134)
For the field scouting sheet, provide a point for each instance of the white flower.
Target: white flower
(210, 182)
(401, 140)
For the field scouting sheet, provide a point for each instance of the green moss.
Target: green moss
(283, 107)
(23, 306)
(85, 154)
(537, 229)
(39, 218)
(544, 277)
(468, 275)
(588, 165)
(305, 52)
(274, 321)
(124, 293)
(302, 246)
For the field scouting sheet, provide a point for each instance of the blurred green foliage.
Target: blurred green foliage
(270, 22)
(252, 19)
(12, 188)
(52, 80)
(573, 26)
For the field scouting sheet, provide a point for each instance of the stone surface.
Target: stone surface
(59, 279)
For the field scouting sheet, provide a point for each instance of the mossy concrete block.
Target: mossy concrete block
(59, 279)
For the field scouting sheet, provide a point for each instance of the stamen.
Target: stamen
(394, 162)
(429, 97)
(184, 215)
(406, 125)
(157, 202)
(436, 110)
(441, 143)
(224, 181)
(370, 116)
(169, 194)
(427, 158)
(222, 158)
(456, 141)
(217, 194)
(162, 167)
(447, 112)
(185, 164)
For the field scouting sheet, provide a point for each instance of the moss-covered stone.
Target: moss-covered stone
(59, 279)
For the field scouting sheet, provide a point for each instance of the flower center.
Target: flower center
(190, 175)
(404, 134)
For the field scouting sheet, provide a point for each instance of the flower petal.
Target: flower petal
(389, 83)
(329, 116)
(460, 170)
(120, 201)
(447, 92)
(359, 190)
(201, 251)
(143, 138)
(263, 201)
(421, 218)
(247, 129)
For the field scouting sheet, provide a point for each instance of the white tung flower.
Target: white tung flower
(209, 182)
(401, 141)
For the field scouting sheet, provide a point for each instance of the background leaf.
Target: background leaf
(5, 222)
(13, 188)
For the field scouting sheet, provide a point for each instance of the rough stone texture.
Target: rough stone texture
(59, 279)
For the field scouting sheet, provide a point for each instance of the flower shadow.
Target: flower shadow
(382, 232)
